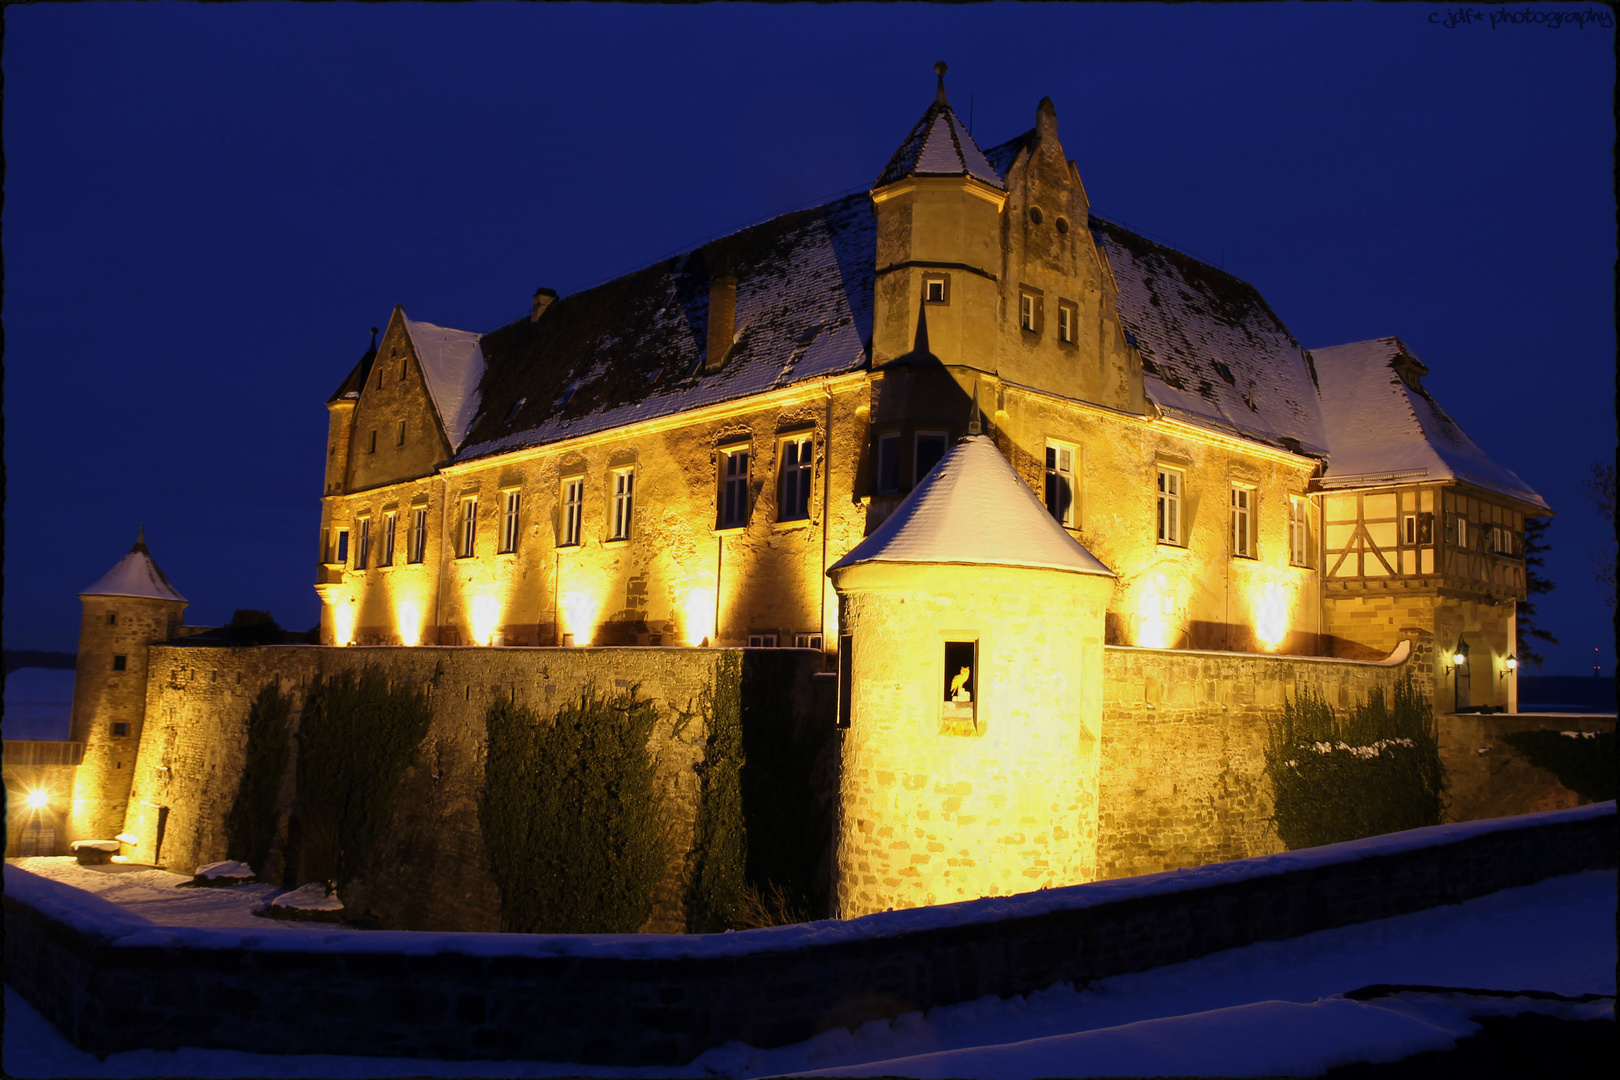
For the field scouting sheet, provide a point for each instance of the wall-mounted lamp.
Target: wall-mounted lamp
(37, 800)
(1510, 664)
(1458, 658)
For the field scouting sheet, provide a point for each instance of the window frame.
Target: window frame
(917, 471)
(1175, 534)
(762, 641)
(801, 471)
(362, 542)
(467, 527)
(1301, 531)
(1243, 510)
(120, 662)
(373, 448)
(416, 539)
(390, 520)
(1068, 322)
(511, 520)
(1055, 451)
(732, 471)
(808, 641)
(340, 547)
(621, 484)
(943, 280)
(1031, 310)
(892, 441)
(571, 521)
(399, 437)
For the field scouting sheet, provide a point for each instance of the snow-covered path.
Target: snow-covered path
(1557, 936)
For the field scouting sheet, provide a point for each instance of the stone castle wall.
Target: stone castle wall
(431, 868)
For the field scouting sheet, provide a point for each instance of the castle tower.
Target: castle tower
(970, 679)
(130, 608)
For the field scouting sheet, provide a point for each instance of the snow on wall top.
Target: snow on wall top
(939, 145)
(972, 508)
(136, 574)
(1382, 426)
(453, 364)
(1213, 351)
(632, 349)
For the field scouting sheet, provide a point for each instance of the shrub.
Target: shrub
(715, 883)
(571, 818)
(1375, 771)
(358, 735)
(250, 824)
(1584, 763)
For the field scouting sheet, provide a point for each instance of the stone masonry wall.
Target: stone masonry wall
(1183, 738)
(430, 869)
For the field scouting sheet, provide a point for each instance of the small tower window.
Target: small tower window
(888, 463)
(937, 288)
(399, 437)
(373, 448)
(120, 663)
(1035, 215)
(112, 618)
(959, 707)
(846, 670)
(120, 729)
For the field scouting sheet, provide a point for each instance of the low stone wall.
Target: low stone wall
(431, 869)
(112, 982)
(1489, 778)
(1183, 747)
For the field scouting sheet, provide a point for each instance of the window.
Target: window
(1169, 499)
(418, 541)
(1409, 529)
(762, 641)
(120, 728)
(373, 447)
(1060, 483)
(404, 366)
(120, 663)
(112, 618)
(846, 669)
(509, 520)
(340, 548)
(1243, 522)
(888, 463)
(807, 641)
(733, 508)
(387, 538)
(1459, 530)
(623, 482)
(797, 466)
(937, 288)
(1502, 540)
(958, 709)
(930, 448)
(1026, 310)
(573, 510)
(1068, 322)
(469, 527)
(1301, 545)
(362, 544)
(399, 438)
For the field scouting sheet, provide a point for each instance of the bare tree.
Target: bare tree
(1600, 489)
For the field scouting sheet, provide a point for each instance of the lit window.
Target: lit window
(1243, 522)
(762, 641)
(573, 501)
(796, 476)
(888, 463)
(934, 290)
(387, 538)
(1068, 321)
(623, 486)
(1301, 545)
(1060, 483)
(733, 509)
(509, 520)
(120, 663)
(960, 686)
(399, 438)
(418, 541)
(340, 547)
(362, 544)
(1169, 498)
(1026, 311)
(930, 448)
(469, 527)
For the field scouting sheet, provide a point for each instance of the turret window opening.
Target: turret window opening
(509, 520)
(888, 463)
(733, 508)
(1060, 483)
(386, 558)
(937, 288)
(1169, 506)
(120, 663)
(418, 538)
(930, 448)
(797, 474)
(469, 527)
(399, 437)
(573, 511)
(623, 486)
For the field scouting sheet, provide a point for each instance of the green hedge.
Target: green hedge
(250, 824)
(718, 873)
(1374, 771)
(1585, 764)
(358, 735)
(570, 816)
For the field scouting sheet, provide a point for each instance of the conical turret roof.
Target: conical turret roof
(973, 509)
(136, 574)
(939, 146)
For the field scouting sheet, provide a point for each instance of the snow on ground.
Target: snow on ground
(154, 894)
(1273, 1004)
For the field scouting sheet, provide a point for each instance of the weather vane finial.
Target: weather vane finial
(939, 95)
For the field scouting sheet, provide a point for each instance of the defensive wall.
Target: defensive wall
(112, 981)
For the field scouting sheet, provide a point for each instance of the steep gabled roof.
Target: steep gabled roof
(973, 509)
(136, 574)
(355, 381)
(1213, 351)
(632, 349)
(939, 145)
(1382, 426)
(452, 366)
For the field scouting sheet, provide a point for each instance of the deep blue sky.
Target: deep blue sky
(206, 206)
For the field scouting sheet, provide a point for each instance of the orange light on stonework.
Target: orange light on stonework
(408, 620)
(697, 616)
(38, 800)
(1271, 617)
(486, 616)
(343, 622)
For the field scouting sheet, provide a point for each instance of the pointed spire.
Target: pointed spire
(136, 574)
(939, 95)
(939, 145)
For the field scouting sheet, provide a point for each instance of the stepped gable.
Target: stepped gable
(973, 509)
(136, 574)
(632, 349)
(1382, 424)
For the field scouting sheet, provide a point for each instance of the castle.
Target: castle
(985, 452)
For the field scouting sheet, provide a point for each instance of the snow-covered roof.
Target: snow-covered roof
(939, 145)
(136, 574)
(1383, 428)
(453, 364)
(972, 508)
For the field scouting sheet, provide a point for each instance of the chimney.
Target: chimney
(722, 320)
(542, 300)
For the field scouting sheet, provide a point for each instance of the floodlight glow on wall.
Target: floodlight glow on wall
(37, 800)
